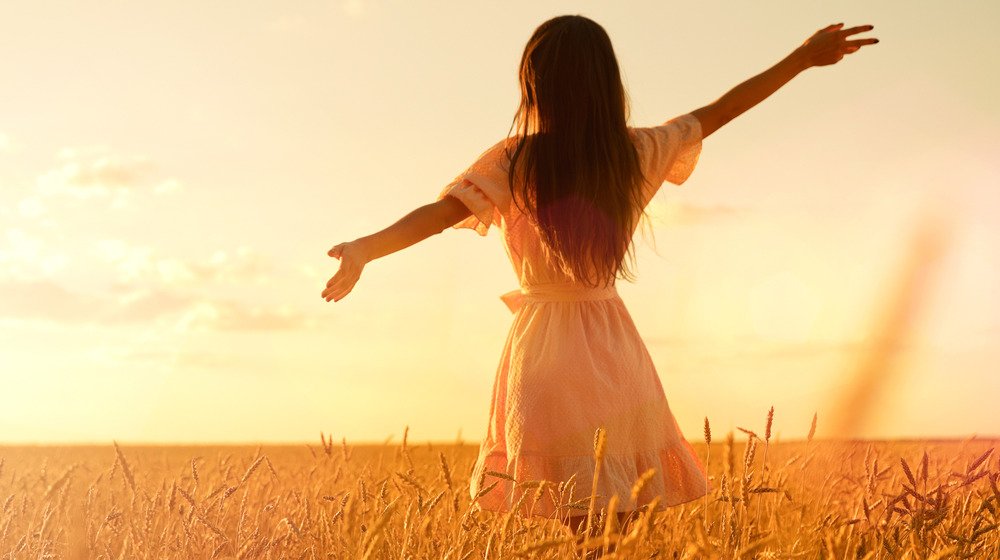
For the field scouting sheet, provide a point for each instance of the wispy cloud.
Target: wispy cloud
(24, 255)
(31, 207)
(141, 263)
(98, 173)
(232, 315)
(127, 282)
(46, 300)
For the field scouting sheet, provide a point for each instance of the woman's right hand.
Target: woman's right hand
(352, 259)
(830, 44)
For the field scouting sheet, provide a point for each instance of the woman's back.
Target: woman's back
(668, 152)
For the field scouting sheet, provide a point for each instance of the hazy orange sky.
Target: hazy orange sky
(173, 174)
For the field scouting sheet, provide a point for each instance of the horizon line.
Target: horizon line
(386, 443)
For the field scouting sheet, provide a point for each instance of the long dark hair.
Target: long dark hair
(581, 176)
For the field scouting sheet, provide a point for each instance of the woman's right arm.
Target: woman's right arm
(425, 221)
(826, 46)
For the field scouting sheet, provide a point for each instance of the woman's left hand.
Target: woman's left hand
(352, 262)
(829, 45)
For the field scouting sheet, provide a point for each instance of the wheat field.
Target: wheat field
(770, 499)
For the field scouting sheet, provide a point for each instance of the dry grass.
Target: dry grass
(807, 499)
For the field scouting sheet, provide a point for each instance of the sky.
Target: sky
(173, 173)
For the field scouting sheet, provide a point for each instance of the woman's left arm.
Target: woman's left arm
(428, 220)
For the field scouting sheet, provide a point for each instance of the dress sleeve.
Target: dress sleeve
(669, 152)
(483, 188)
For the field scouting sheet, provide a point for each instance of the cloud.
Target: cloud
(242, 265)
(102, 177)
(43, 299)
(230, 315)
(145, 287)
(130, 262)
(144, 306)
(31, 207)
(187, 313)
(117, 282)
(140, 286)
(139, 263)
(97, 173)
(23, 256)
(47, 300)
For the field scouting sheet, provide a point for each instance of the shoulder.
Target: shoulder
(668, 138)
(495, 158)
(681, 125)
(504, 148)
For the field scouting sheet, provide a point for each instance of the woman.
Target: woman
(568, 191)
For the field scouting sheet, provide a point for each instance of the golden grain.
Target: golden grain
(813, 498)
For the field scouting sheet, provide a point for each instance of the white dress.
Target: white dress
(574, 361)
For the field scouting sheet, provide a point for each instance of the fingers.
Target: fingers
(346, 277)
(342, 283)
(848, 47)
(858, 43)
(336, 277)
(343, 276)
(853, 46)
(854, 30)
(341, 291)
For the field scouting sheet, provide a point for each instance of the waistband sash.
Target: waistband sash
(555, 292)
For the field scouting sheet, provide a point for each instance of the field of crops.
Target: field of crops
(770, 499)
